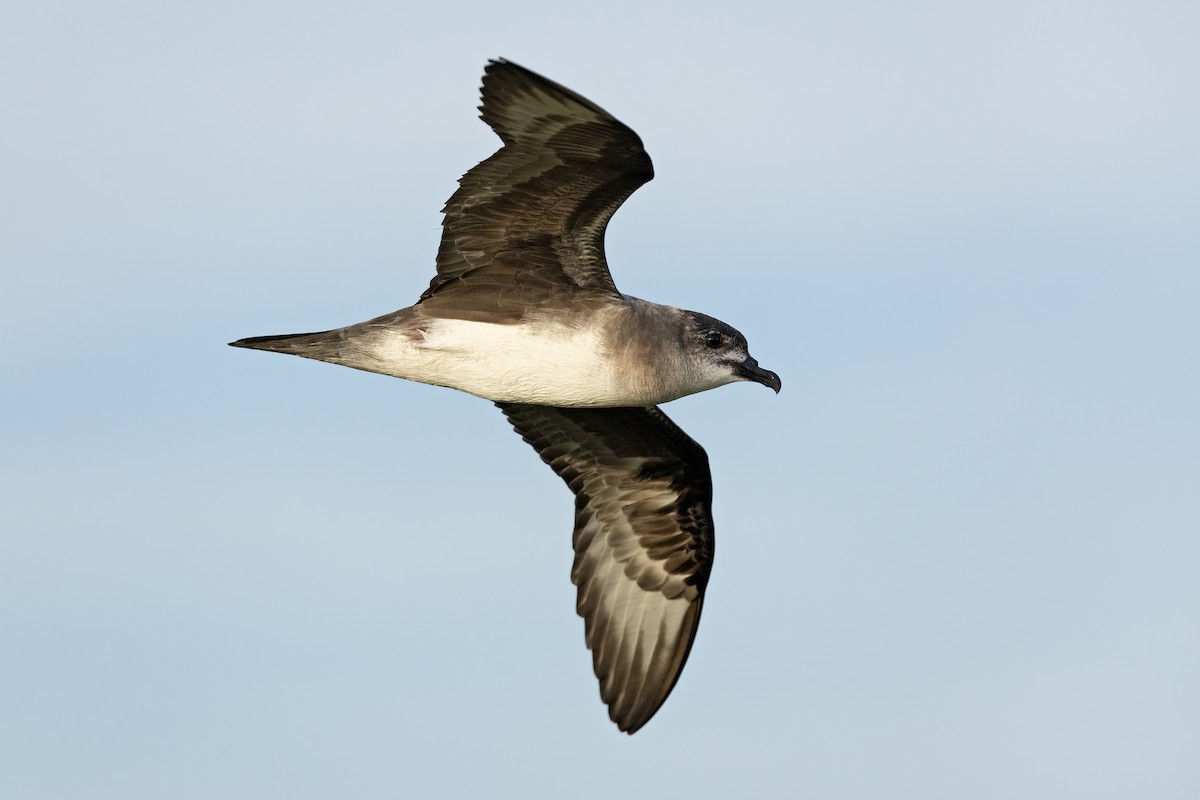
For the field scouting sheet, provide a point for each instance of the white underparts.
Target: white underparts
(553, 366)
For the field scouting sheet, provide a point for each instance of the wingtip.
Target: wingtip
(632, 722)
(630, 730)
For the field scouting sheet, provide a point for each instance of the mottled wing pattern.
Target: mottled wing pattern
(643, 542)
(528, 223)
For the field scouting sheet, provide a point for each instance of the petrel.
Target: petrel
(523, 312)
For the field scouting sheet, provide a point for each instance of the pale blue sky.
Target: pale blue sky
(957, 556)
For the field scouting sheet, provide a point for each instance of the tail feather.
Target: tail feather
(319, 345)
(369, 345)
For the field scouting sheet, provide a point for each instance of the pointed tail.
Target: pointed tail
(323, 346)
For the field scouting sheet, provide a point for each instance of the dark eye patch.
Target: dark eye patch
(714, 339)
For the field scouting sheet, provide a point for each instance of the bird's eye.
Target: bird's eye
(714, 339)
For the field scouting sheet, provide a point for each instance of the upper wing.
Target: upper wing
(643, 542)
(528, 222)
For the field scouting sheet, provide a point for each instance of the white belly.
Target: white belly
(558, 366)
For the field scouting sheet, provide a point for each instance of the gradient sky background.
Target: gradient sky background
(959, 555)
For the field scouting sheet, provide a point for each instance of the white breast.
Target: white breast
(546, 365)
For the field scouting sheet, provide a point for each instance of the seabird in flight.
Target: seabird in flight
(523, 312)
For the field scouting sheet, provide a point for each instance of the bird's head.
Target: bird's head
(719, 353)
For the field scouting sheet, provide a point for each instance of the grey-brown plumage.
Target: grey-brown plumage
(527, 224)
(643, 542)
(523, 312)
